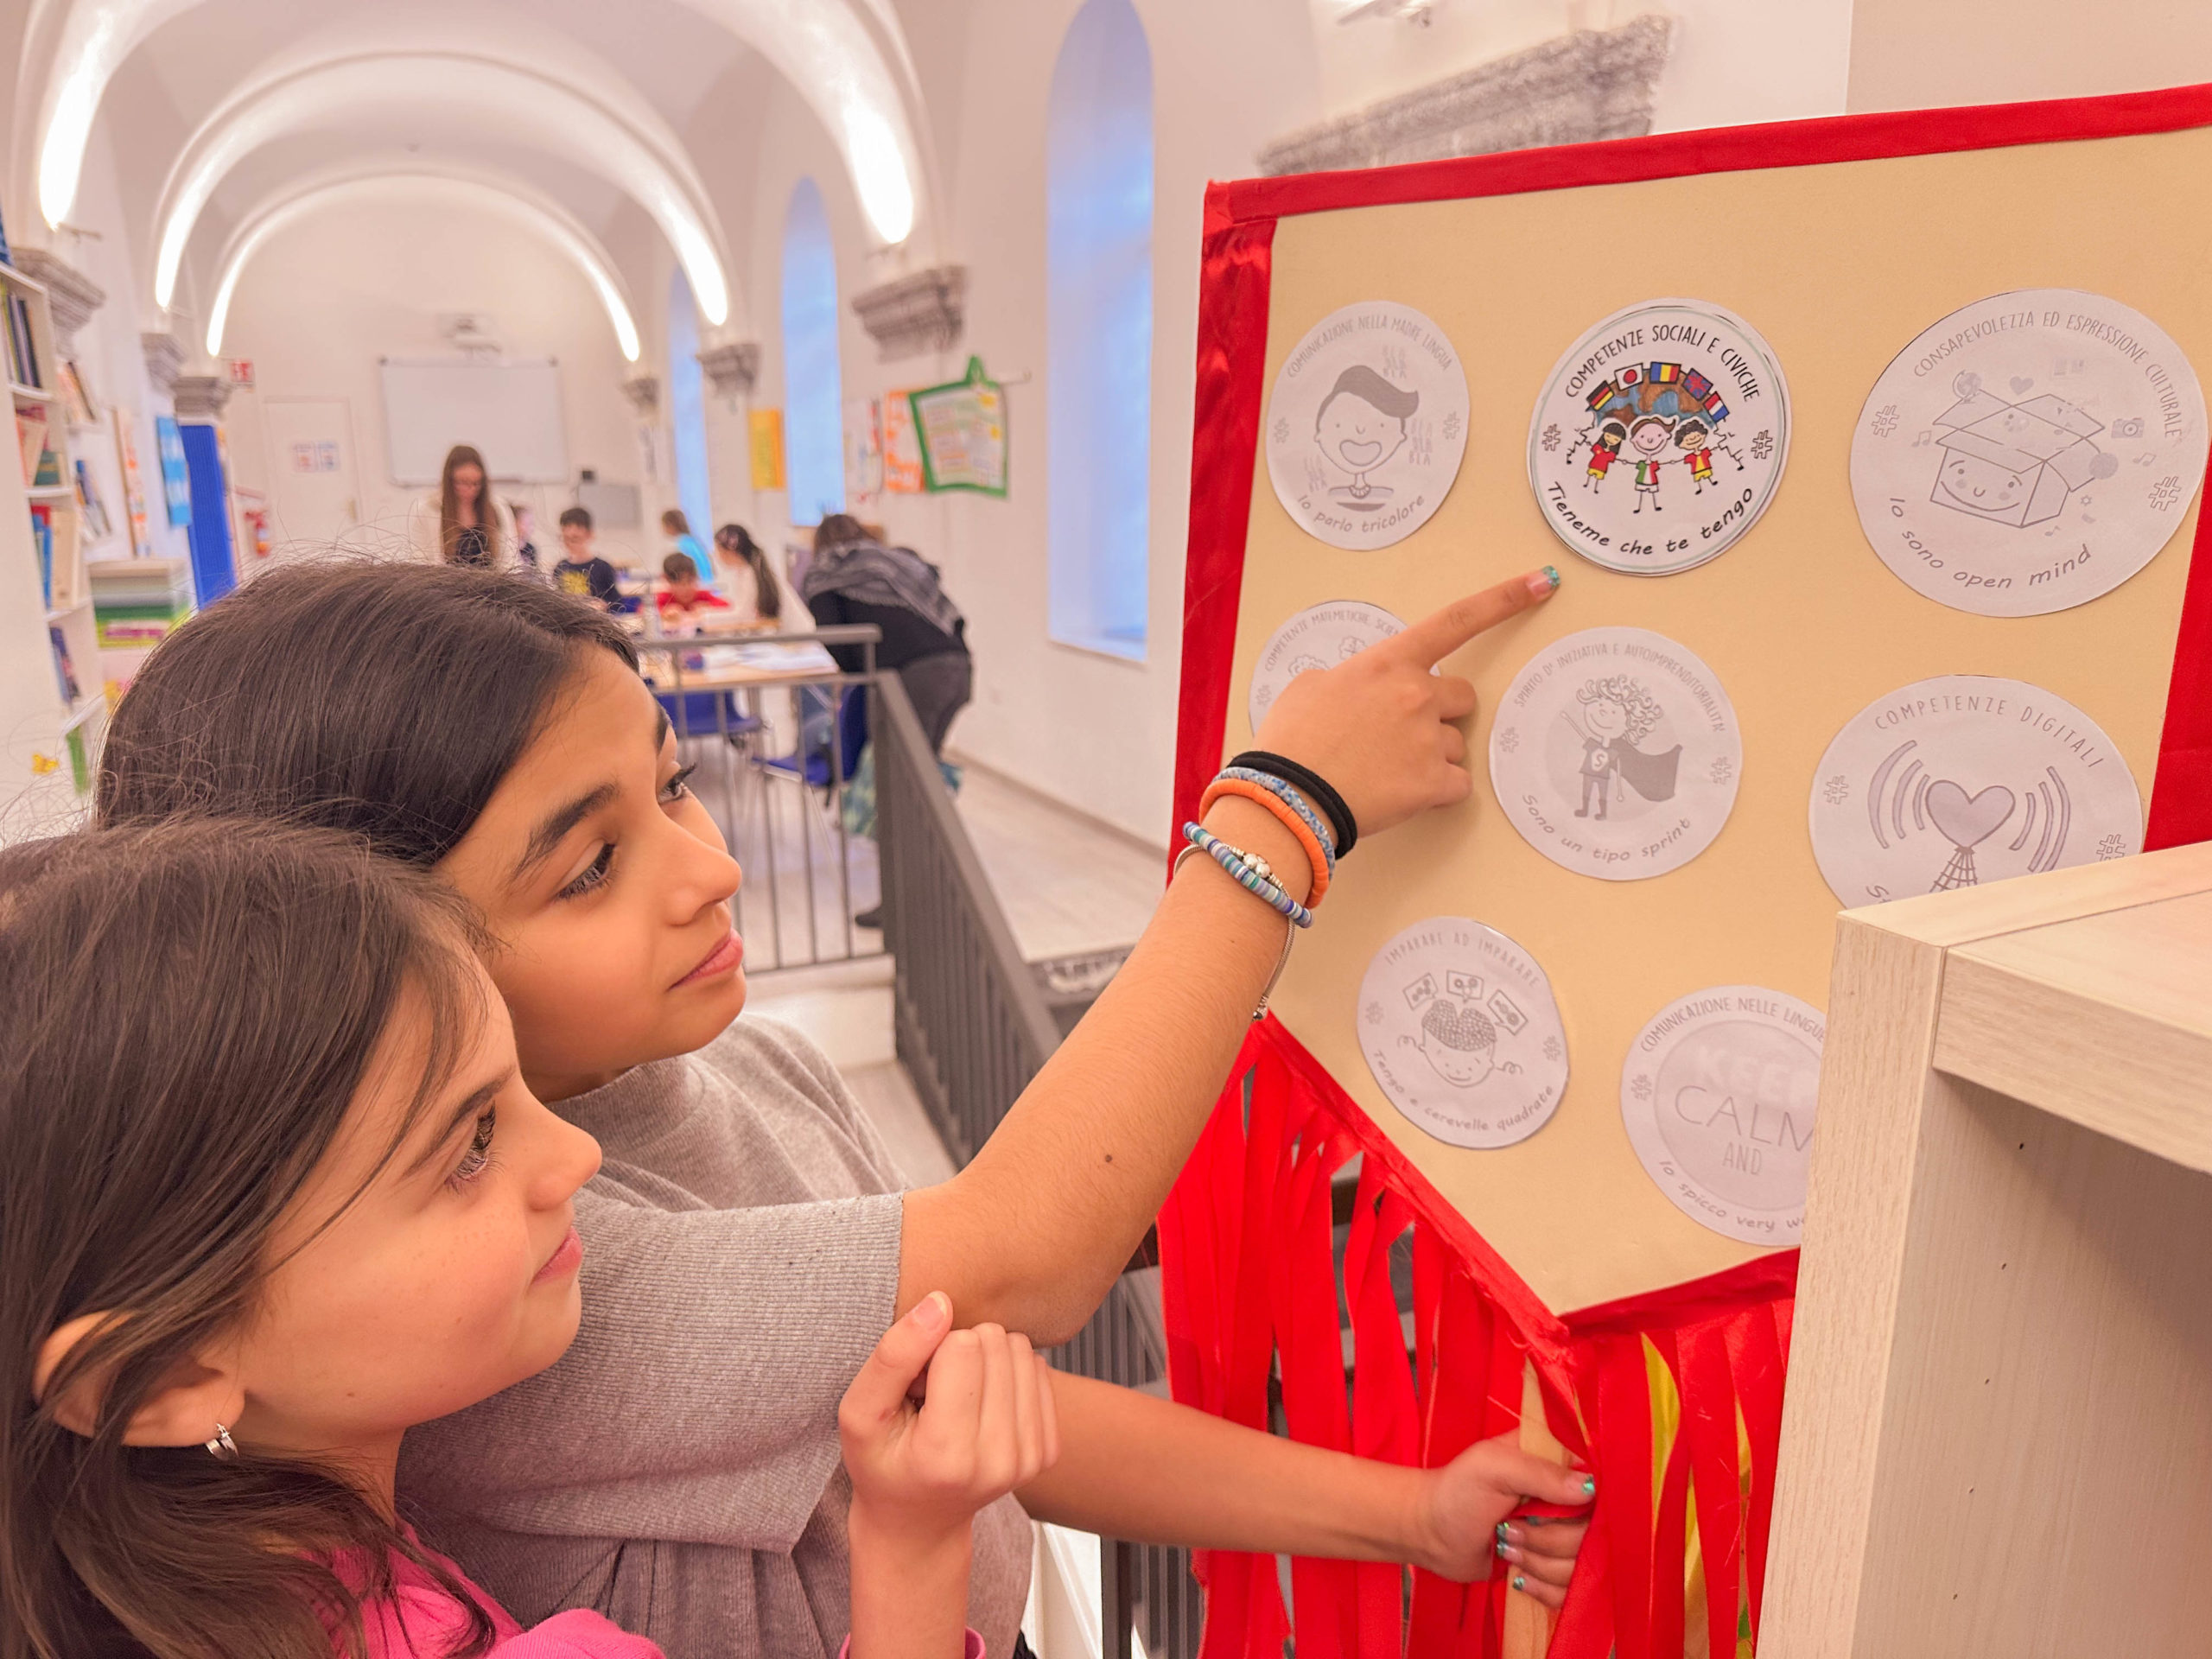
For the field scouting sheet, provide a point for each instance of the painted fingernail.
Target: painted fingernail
(1507, 1552)
(1520, 1582)
(1589, 1485)
(1502, 1534)
(1544, 582)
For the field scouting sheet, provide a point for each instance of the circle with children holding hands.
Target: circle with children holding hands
(1461, 1032)
(1616, 752)
(1660, 437)
(1367, 425)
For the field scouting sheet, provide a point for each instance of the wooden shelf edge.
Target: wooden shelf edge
(85, 708)
(36, 394)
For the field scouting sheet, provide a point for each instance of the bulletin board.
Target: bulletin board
(1841, 244)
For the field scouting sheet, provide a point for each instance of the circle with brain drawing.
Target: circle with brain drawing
(1963, 780)
(2029, 452)
(1367, 425)
(1319, 637)
(1616, 752)
(1660, 437)
(1717, 1094)
(1460, 1031)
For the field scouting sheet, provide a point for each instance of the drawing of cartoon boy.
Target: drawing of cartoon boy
(1648, 437)
(1361, 424)
(1617, 713)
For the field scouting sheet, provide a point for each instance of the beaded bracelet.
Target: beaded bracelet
(1314, 786)
(1254, 874)
(1287, 792)
(1269, 794)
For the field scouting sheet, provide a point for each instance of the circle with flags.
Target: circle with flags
(1616, 752)
(1660, 437)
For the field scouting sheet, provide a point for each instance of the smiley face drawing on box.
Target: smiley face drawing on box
(2014, 463)
(1360, 425)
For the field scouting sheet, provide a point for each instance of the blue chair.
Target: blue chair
(810, 763)
(693, 714)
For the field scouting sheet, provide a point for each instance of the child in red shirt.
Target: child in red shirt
(683, 598)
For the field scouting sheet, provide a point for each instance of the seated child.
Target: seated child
(274, 1191)
(580, 570)
(682, 599)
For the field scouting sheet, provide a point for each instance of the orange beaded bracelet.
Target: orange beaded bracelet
(1290, 821)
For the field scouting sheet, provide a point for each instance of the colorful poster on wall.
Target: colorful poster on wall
(863, 451)
(134, 487)
(176, 487)
(902, 450)
(961, 429)
(764, 426)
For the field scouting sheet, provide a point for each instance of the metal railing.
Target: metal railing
(773, 765)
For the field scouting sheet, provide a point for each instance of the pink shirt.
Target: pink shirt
(421, 1620)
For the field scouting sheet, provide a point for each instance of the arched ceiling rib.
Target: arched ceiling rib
(476, 189)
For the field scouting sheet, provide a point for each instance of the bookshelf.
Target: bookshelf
(51, 686)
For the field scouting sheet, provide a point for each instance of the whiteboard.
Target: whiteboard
(510, 409)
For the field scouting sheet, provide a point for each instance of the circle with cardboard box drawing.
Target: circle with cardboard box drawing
(2029, 452)
(1717, 1094)
(1367, 425)
(1460, 1030)
(1660, 437)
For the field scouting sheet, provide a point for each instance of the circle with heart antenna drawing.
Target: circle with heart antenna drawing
(1660, 437)
(1461, 1032)
(1319, 637)
(1616, 752)
(2029, 452)
(1717, 1094)
(1367, 425)
(1965, 780)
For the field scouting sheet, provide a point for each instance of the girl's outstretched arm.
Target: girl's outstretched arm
(1136, 1467)
(1033, 1233)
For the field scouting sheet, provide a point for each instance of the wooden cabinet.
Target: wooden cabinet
(1998, 1440)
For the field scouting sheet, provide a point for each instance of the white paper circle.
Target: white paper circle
(1367, 425)
(2029, 452)
(1321, 637)
(1459, 1028)
(1965, 780)
(1616, 752)
(1660, 437)
(1718, 1093)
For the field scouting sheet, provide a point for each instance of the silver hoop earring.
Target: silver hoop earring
(223, 1448)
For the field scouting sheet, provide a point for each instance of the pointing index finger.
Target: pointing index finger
(1435, 637)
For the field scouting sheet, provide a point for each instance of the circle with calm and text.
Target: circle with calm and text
(1460, 1031)
(1367, 425)
(1660, 437)
(1616, 752)
(1719, 1094)
(1966, 779)
(1319, 637)
(2029, 452)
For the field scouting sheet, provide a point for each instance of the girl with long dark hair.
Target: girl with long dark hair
(743, 555)
(749, 1239)
(461, 522)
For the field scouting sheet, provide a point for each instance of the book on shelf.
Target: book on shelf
(76, 396)
(23, 358)
(138, 602)
(42, 535)
(65, 671)
(30, 438)
(96, 524)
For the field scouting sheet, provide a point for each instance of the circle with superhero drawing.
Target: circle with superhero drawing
(1616, 752)
(1367, 425)
(1719, 1094)
(1461, 1032)
(1660, 437)
(1320, 636)
(2029, 452)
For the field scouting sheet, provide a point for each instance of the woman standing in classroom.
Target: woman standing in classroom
(461, 522)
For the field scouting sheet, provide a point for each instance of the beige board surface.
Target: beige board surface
(1839, 267)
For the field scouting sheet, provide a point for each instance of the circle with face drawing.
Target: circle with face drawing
(1319, 637)
(1660, 437)
(1367, 425)
(2029, 452)
(1460, 1031)
(1616, 752)
(1966, 779)
(1717, 1094)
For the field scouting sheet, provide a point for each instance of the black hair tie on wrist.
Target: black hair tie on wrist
(1312, 783)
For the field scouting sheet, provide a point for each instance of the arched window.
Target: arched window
(687, 410)
(1098, 252)
(814, 432)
